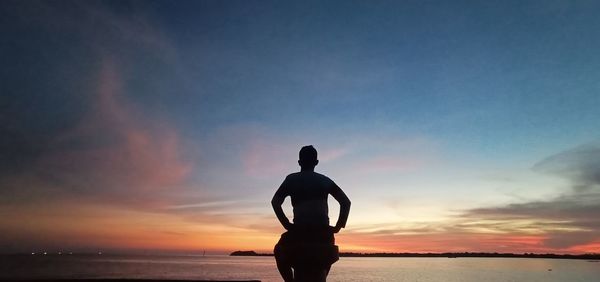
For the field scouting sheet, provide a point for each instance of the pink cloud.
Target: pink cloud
(117, 156)
(267, 156)
(263, 160)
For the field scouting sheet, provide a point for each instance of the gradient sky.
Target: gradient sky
(168, 125)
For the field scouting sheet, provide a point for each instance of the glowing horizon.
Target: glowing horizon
(451, 127)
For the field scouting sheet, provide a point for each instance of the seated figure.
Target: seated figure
(307, 250)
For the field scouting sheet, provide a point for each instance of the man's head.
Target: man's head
(308, 157)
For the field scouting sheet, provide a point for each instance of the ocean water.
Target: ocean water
(263, 268)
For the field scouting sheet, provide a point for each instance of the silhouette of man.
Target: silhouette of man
(308, 191)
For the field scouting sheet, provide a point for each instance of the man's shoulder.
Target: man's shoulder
(322, 176)
(312, 174)
(302, 176)
(324, 179)
(292, 175)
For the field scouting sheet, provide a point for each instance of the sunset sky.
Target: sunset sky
(168, 125)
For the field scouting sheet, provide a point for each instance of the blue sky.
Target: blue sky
(469, 74)
(424, 111)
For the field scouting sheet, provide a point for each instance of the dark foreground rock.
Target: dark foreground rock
(127, 280)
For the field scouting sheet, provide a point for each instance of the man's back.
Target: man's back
(309, 191)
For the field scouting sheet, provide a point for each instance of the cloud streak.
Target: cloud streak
(110, 155)
(107, 150)
(565, 223)
(136, 163)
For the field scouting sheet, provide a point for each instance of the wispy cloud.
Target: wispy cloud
(581, 165)
(565, 223)
(112, 155)
(137, 159)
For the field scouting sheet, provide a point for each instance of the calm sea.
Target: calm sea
(263, 268)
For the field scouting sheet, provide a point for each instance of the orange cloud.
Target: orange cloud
(442, 242)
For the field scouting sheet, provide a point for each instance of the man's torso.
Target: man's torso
(309, 192)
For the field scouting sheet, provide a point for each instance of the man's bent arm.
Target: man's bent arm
(341, 197)
(276, 202)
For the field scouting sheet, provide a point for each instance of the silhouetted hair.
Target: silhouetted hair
(308, 153)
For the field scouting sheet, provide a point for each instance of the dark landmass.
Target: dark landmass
(447, 255)
(249, 254)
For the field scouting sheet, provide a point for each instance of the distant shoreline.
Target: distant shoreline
(444, 255)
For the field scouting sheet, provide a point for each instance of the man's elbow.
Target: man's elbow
(276, 201)
(346, 203)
